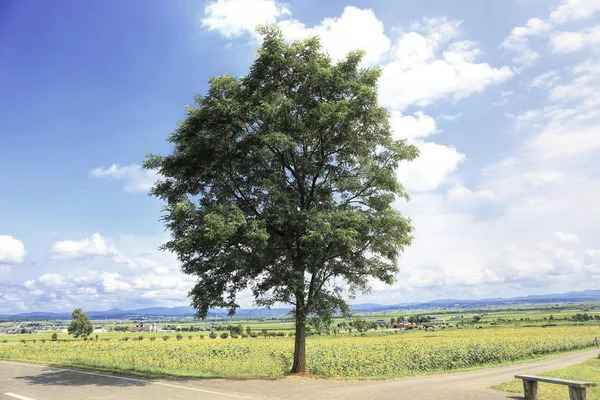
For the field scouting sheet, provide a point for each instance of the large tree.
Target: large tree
(81, 325)
(282, 182)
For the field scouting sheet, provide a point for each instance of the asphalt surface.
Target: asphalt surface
(36, 382)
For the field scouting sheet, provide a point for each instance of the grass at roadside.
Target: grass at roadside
(588, 371)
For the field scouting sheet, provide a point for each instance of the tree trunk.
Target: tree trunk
(300, 345)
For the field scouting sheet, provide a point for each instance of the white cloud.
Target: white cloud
(541, 178)
(236, 17)
(424, 69)
(565, 263)
(50, 280)
(12, 251)
(136, 178)
(413, 126)
(504, 244)
(547, 79)
(416, 76)
(451, 117)
(592, 257)
(434, 164)
(570, 122)
(29, 284)
(518, 41)
(460, 193)
(534, 27)
(569, 10)
(567, 42)
(566, 237)
(162, 270)
(111, 283)
(95, 245)
(115, 280)
(573, 10)
(340, 35)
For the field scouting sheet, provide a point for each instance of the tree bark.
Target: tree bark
(299, 365)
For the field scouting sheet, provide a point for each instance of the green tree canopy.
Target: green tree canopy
(81, 325)
(282, 182)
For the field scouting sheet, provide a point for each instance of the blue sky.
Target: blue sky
(502, 98)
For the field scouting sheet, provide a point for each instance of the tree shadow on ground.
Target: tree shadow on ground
(72, 376)
(79, 379)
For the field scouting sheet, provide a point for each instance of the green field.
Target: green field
(493, 318)
(461, 339)
(378, 355)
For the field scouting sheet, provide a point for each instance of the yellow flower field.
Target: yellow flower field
(343, 357)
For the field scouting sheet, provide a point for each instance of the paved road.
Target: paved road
(28, 381)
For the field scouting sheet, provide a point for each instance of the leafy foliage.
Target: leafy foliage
(283, 182)
(81, 325)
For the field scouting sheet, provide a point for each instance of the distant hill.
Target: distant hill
(185, 311)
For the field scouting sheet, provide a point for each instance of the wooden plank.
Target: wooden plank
(530, 388)
(576, 393)
(565, 382)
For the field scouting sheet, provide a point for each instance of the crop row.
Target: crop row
(348, 357)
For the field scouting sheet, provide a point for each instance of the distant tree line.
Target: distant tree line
(585, 317)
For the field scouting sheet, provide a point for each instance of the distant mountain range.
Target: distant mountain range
(186, 311)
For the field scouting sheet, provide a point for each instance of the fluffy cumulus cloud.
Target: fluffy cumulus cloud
(95, 245)
(412, 127)
(566, 237)
(568, 42)
(435, 162)
(130, 274)
(135, 177)
(340, 35)
(429, 65)
(462, 193)
(12, 251)
(425, 64)
(592, 257)
(50, 279)
(519, 42)
(433, 166)
(574, 10)
(540, 225)
(236, 17)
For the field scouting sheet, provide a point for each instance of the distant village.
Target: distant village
(25, 327)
